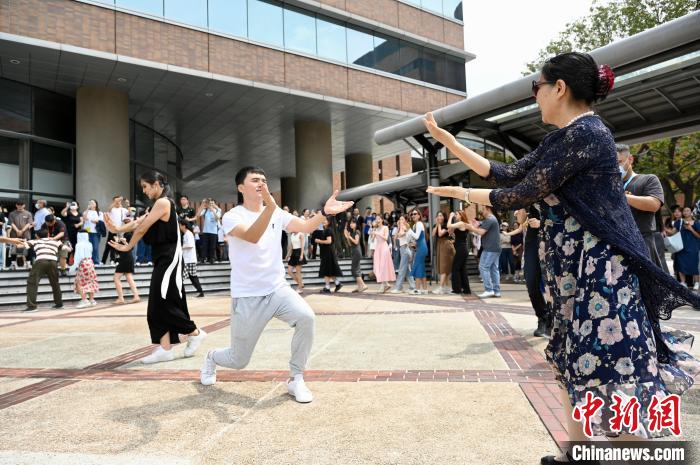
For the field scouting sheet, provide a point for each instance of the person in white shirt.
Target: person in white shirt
(91, 216)
(117, 214)
(40, 215)
(189, 256)
(259, 289)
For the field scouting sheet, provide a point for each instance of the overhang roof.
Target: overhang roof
(656, 94)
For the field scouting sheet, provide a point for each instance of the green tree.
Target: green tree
(675, 160)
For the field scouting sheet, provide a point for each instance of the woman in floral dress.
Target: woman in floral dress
(607, 296)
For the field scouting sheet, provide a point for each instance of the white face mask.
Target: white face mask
(37, 206)
(623, 172)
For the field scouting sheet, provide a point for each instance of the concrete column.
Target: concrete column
(289, 193)
(314, 164)
(102, 145)
(358, 172)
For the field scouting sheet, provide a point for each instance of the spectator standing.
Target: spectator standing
(354, 237)
(369, 219)
(209, 215)
(73, 221)
(296, 259)
(117, 213)
(189, 256)
(645, 197)
(417, 234)
(46, 251)
(383, 266)
(185, 212)
(125, 268)
(460, 278)
(405, 256)
(21, 224)
(329, 269)
(516, 245)
(92, 216)
(491, 252)
(83, 268)
(445, 253)
(56, 230)
(506, 264)
(40, 216)
(687, 258)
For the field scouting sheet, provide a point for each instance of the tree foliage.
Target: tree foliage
(675, 160)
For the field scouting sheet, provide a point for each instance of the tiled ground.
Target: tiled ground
(397, 380)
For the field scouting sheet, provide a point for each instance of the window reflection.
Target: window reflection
(15, 106)
(331, 41)
(299, 31)
(410, 60)
(453, 9)
(360, 48)
(386, 54)
(455, 76)
(265, 22)
(151, 7)
(192, 12)
(52, 169)
(432, 5)
(229, 17)
(9, 165)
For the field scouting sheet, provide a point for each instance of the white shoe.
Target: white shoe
(207, 375)
(193, 343)
(395, 291)
(696, 287)
(496, 294)
(486, 294)
(299, 391)
(159, 355)
(437, 290)
(684, 284)
(93, 302)
(83, 304)
(414, 291)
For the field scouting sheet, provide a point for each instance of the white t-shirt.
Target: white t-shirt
(91, 219)
(189, 252)
(256, 269)
(117, 215)
(296, 240)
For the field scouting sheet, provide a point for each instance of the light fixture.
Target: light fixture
(209, 94)
(15, 61)
(121, 79)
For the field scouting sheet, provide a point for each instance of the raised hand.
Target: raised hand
(447, 191)
(334, 206)
(267, 197)
(438, 133)
(119, 246)
(113, 228)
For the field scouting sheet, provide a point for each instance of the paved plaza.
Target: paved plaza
(397, 379)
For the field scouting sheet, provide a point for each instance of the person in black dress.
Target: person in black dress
(167, 313)
(329, 269)
(125, 268)
(460, 279)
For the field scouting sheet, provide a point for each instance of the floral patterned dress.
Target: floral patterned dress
(602, 339)
(86, 277)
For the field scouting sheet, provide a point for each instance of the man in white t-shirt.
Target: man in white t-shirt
(259, 289)
(117, 214)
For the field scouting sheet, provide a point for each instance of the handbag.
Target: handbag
(101, 228)
(674, 244)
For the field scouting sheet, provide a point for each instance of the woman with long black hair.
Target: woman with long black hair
(167, 314)
(606, 293)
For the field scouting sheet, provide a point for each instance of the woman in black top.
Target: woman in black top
(167, 314)
(460, 279)
(354, 239)
(73, 221)
(329, 269)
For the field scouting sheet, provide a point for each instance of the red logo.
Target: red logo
(626, 414)
(665, 413)
(584, 413)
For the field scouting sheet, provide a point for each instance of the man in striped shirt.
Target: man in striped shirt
(46, 251)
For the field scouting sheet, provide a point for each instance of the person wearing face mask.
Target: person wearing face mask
(645, 197)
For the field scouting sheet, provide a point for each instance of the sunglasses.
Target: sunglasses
(536, 86)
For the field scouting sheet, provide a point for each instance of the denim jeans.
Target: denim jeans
(488, 267)
(95, 241)
(404, 268)
(143, 252)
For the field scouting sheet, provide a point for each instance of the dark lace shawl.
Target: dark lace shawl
(578, 164)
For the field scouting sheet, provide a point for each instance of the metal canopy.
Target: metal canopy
(656, 94)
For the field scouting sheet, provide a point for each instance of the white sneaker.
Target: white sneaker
(486, 294)
(414, 292)
(395, 291)
(83, 304)
(696, 287)
(159, 355)
(93, 302)
(193, 343)
(437, 290)
(299, 391)
(496, 294)
(207, 375)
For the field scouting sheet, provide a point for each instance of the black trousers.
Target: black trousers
(533, 279)
(209, 242)
(109, 250)
(460, 280)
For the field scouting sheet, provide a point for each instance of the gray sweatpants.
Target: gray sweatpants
(250, 315)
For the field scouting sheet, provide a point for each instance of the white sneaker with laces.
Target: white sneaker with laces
(437, 290)
(486, 294)
(193, 343)
(207, 375)
(299, 391)
(414, 291)
(159, 355)
(93, 302)
(83, 304)
(395, 291)
(496, 294)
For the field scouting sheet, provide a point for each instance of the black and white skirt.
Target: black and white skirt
(190, 269)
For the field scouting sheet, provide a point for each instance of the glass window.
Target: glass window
(52, 169)
(432, 5)
(299, 31)
(386, 54)
(151, 7)
(9, 166)
(433, 67)
(360, 48)
(265, 22)
(453, 9)
(331, 41)
(455, 77)
(229, 17)
(143, 145)
(410, 60)
(192, 12)
(54, 116)
(15, 106)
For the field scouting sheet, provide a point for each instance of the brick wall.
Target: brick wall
(246, 61)
(316, 76)
(421, 23)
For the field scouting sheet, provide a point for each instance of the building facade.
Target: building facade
(94, 92)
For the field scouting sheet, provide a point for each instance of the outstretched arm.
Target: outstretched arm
(332, 207)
